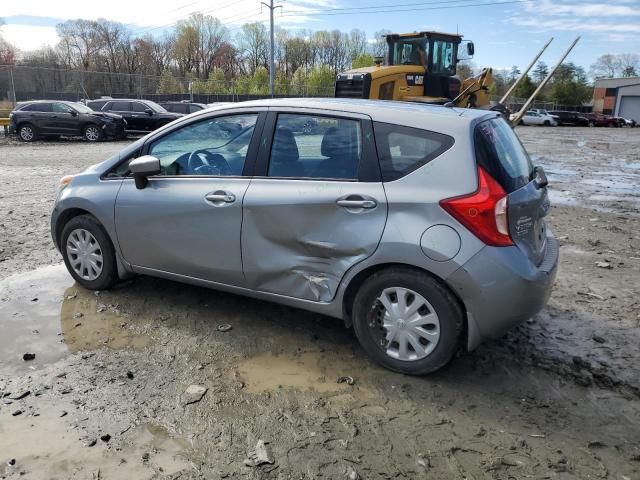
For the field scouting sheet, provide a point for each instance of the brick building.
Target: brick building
(618, 96)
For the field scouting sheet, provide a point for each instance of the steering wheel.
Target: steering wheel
(203, 162)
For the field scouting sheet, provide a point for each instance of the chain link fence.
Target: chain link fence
(20, 83)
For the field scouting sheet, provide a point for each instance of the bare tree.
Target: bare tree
(629, 64)
(253, 43)
(606, 66)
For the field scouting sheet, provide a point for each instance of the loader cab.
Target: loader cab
(436, 52)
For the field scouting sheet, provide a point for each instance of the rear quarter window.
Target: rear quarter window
(500, 153)
(401, 150)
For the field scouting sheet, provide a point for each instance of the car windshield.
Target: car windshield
(155, 107)
(81, 107)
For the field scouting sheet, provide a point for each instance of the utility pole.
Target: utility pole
(272, 72)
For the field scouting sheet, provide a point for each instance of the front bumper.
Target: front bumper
(501, 288)
(115, 130)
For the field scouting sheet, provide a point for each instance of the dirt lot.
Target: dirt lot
(107, 395)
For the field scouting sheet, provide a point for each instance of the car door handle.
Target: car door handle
(352, 203)
(217, 197)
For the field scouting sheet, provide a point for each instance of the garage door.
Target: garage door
(630, 107)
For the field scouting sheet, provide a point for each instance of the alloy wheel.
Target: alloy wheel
(92, 134)
(84, 254)
(27, 134)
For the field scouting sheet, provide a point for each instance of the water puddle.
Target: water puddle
(148, 450)
(316, 371)
(46, 313)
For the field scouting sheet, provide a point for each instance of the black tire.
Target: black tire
(451, 318)
(591, 124)
(28, 132)
(92, 133)
(547, 123)
(109, 274)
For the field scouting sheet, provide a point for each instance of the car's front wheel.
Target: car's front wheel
(88, 253)
(92, 133)
(28, 133)
(407, 321)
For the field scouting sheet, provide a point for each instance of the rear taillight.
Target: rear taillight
(483, 212)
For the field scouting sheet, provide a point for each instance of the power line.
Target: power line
(395, 10)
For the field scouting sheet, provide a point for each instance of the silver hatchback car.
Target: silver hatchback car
(420, 226)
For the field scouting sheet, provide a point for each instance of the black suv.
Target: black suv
(183, 107)
(48, 118)
(570, 118)
(141, 115)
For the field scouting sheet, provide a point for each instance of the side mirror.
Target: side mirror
(143, 167)
(73, 113)
(471, 49)
(148, 111)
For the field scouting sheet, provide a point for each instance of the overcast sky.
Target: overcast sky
(506, 32)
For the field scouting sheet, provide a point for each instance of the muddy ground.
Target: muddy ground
(106, 396)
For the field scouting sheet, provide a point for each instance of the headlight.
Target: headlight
(65, 182)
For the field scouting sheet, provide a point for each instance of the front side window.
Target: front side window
(215, 146)
(61, 108)
(402, 150)
(308, 146)
(118, 106)
(443, 62)
(139, 107)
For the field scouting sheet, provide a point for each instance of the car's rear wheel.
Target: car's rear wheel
(88, 253)
(592, 124)
(92, 133)
(27, 133)
(407, 321)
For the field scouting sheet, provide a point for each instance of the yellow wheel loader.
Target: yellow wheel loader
(421, 67)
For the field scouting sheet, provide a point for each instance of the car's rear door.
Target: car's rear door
(187, 220)
(500, 153)
(316, 205)
(40, 115)
(120, 107)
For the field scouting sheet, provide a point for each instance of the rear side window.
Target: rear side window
(402, 150)
(319, 147)
(37, 107)
(500, 153)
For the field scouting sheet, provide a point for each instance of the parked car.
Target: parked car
(542, 111)
(629, 122)
(534, 118)
(184, 108)
(570, 118)
(141, 115)
(51, 119)
(601, 120)
(422, 228)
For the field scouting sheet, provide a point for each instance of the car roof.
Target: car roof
(402, 113)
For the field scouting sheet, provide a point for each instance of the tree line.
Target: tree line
(199, 50)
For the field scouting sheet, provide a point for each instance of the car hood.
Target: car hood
(114, 116)
(170, 115)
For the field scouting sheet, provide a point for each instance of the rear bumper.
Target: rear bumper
(500, 288)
